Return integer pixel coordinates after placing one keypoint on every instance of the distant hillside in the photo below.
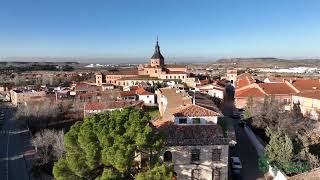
(269, 62)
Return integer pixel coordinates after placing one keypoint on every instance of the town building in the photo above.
(196, 147)
(169, 99)
(282, 92)
(154, 72)
(309, 102)
(136, 93)
(22, 97)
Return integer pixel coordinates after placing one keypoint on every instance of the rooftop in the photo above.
(192, 135)
(315, 94)
(306, 84)
(127, 93)
(193, 110)
(250, 92)
(141, 77)
(124, 72)
(276, 88)
(142, 91)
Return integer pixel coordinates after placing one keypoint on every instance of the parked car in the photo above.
(236, 163)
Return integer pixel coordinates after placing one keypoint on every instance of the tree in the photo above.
(159, 172)
(248, 108)
(263, 164)
(280, 153)
(49, 145)
(104, 146)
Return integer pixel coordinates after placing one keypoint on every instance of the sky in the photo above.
(186, 28)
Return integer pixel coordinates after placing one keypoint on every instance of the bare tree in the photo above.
(38, 114)
(49, 145)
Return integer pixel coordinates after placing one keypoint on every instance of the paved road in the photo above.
(15, 149)
(247, 153)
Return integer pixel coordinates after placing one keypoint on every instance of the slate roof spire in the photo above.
(157, 54)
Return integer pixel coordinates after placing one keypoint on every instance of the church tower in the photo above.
(157, 60)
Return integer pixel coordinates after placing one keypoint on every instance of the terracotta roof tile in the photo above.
(276, 88)
(142, 91)
(315, 94)
(307, 84)
(250, 92)
(193, 110)
(127, 93)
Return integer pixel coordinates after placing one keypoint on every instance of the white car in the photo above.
(236, 163)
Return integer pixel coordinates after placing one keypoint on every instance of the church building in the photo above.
(154, 72)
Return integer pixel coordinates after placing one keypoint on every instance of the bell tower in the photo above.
(157, 60)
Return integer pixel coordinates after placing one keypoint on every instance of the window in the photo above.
(216, 154)
(195, 174)
(195, 155)
(155, 71)
(182, 120)
(216, 173)
(196, 120)
(167, 156)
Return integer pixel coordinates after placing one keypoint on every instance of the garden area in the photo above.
(292, 142)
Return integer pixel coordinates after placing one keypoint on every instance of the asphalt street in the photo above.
(15, 148)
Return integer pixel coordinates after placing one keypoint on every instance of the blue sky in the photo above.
(186, 28)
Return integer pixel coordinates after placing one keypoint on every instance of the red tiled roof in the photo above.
(307, 84)
(315, 94)
(193, 110)
(127, 93)
(142, 91)
(242, 82)
(276, 88)
(111, 105)
(250, 92)
(133, 88)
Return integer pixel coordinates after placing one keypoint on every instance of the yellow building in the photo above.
(309, 102)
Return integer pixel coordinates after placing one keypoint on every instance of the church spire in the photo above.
(157, 54)
(157, 48)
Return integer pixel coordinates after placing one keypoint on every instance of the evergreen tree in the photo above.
(103, 146)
